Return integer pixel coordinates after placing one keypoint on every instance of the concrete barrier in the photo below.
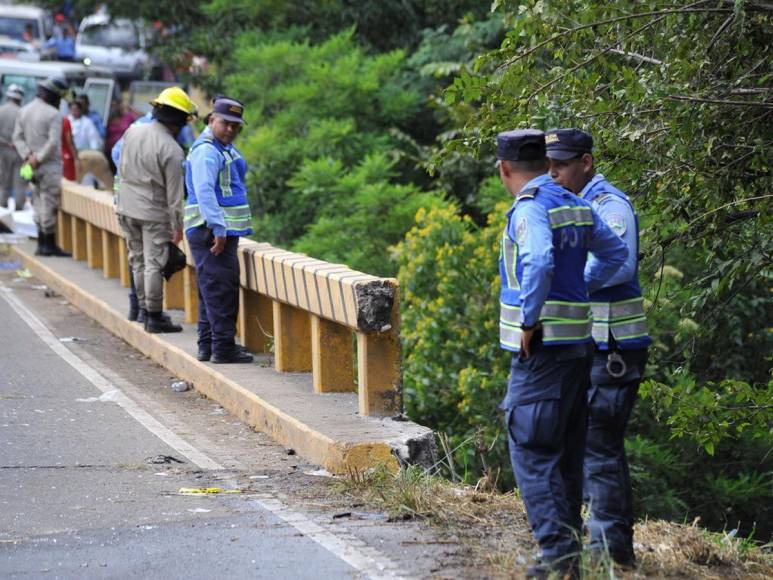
(310, 312)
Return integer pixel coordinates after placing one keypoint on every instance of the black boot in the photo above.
(158, 322)
(53, 249)
(134, 307)
(41, 249)
(142, 317)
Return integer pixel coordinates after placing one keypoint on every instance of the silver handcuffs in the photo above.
(616, 366)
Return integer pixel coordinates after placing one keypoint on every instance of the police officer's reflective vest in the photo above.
(230, 190)
(618, 310)
(565, 316)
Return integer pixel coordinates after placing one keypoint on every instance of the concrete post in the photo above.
(123, 262)
(64, 231)
(191, 295)
(256, 320)
(332, 356)
(111, 255)
(93, 246)
(174, 292)
(292, 339)
(78, 229)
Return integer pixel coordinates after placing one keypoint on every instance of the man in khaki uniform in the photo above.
(10, 162)
(149, 202)
(37, 137)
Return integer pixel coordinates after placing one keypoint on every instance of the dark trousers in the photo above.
(218, 281)
(607, 478)
(546, 413)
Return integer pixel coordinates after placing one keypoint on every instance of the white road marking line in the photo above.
(351, 550)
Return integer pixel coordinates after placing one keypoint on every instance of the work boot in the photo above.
(134, 307)
(205, 353)
(563, 568)
(41, 249)
(237, 356)
(50, 247)
(158, 322)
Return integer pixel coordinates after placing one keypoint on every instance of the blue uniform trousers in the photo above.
(607, 479)
(218, 282)
(546, 414)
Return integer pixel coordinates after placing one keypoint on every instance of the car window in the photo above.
(28, 83)
(112, 34)
(14, 27)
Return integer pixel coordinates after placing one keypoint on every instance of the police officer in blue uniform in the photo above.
(620, 333)
(217, 214)
(545, 322)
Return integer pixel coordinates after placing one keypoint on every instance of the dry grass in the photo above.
(494, 528)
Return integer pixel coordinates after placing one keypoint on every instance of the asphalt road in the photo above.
(81, 494)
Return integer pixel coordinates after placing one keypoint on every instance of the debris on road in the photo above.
(290, 451)
(72, 339)
(162, 459)
(108, 397)
(205, 490)
(181, 386)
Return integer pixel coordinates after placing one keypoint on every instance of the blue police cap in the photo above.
(563, 144)
(229, 109)
(521, 145)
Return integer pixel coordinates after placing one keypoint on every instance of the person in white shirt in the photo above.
(89, 144)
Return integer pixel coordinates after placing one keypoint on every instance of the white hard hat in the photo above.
(14, 91)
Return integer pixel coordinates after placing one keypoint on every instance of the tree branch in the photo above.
(686, 10)
(636, 56)
(763, 104)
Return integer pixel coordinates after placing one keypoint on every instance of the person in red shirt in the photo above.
(70, 160)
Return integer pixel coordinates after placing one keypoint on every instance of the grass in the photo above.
(494, 528)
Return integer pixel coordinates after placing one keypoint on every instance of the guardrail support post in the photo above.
(123, 263)
(292, 338)
(111, 255)
(64, 231)
(78, 228)
(174, 292)
(93, 246)
(256, 316)
(332, 356)
(191, 295)
(378, 370)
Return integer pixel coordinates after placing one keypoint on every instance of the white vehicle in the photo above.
(117, 44)
(26, 23)
(29, 74)
(16, 49)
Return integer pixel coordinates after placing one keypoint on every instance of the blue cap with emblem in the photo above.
(521, 145)
(563, 144)
(229, 109)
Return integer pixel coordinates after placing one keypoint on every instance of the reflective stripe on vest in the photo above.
(225, 175)
(509, 254)
(237, 217)
(625, 320)
(560, 321)
(565, 215)
(552, 331)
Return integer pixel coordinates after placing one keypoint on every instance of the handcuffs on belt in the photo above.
(616, 366)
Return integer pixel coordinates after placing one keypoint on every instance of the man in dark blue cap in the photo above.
(620, 333)
(217, 214)
(545, 322)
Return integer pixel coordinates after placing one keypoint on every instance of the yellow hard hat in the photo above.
(176, 98)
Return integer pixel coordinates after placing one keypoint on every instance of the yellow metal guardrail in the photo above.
(311, 314)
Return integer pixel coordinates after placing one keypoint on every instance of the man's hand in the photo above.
(526, 336)
(218, 245)
(177, 237)
(33, 161)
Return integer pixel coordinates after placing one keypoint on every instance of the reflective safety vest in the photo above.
(565, 316)
(618, 310)
(230, 190)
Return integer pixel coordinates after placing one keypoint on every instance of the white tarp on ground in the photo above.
(19, 222)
